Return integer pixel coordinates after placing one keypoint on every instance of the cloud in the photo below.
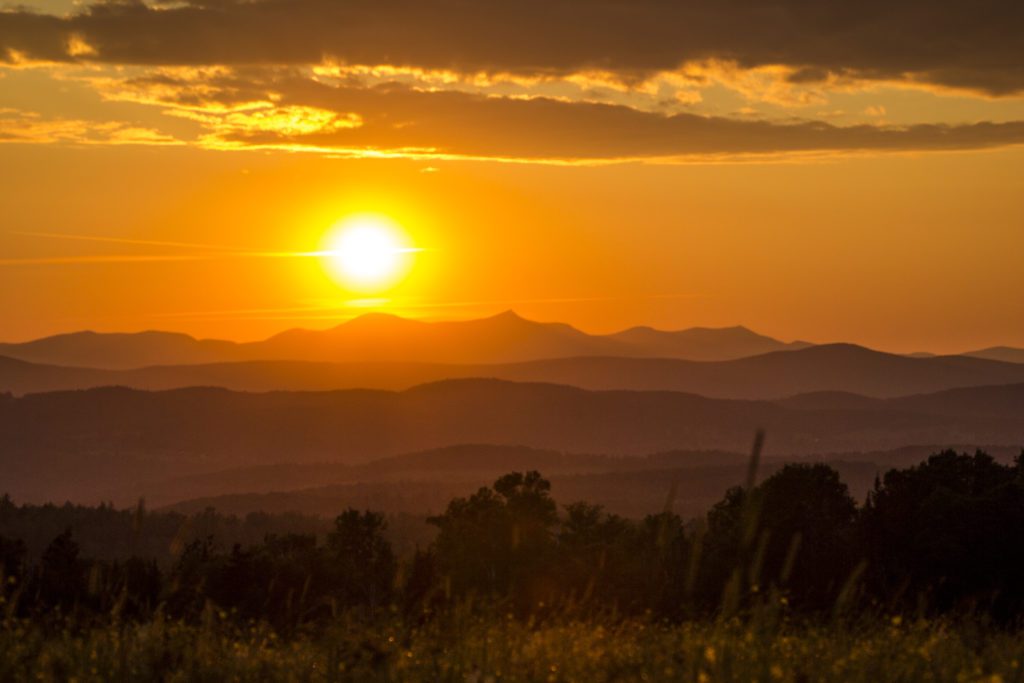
(18, 126)
(951, 43)
(305, 113)
(288, 121)
(339, 113)
(469, 125)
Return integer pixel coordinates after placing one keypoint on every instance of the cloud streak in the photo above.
(124, 240)
(400, 119)
(207, 252)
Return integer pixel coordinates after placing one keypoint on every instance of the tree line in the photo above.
(937, 537)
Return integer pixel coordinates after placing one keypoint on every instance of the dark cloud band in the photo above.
(971, 44)
(397, 117)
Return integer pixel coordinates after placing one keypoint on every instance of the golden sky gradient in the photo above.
(821, 174)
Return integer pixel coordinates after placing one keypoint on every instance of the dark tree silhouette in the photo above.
(364, 565)
(942, 534)
(62, 574)
(947, 533)
(794, 531)
(498, 540)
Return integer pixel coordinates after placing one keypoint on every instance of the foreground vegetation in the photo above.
(500, 648)
(785, 580)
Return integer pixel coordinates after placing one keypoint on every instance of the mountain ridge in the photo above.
(774, 375)
(374, 337)
(1007, 354)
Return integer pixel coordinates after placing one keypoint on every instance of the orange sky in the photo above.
(873, 201)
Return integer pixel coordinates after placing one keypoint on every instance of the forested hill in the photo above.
(70, 444)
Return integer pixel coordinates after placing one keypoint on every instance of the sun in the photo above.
(367, 253)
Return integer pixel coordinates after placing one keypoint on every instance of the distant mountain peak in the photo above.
(1007, 354)
(509, 313)
(376, 318)
(726, 328)
(507, 316)
(739, 330)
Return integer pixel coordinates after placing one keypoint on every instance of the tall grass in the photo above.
(497, 648)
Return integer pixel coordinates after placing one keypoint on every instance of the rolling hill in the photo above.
(826, 368)
(633, 493)
(690, 489)
(84, 444)
(1007, 354)
(479, 464)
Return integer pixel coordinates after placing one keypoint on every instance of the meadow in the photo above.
(762, 647)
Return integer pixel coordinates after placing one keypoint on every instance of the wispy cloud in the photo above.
(27, 127)
(124, 240)
(102, 259)
(201, 252)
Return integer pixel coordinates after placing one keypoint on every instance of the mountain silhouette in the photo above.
(83, 443)
(1007, 354)
(375, 337)
(120, 350)
(825, 368)
(703, 343)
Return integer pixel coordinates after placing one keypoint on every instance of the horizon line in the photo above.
(340, 321)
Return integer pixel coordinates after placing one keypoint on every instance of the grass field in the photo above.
(476, 649)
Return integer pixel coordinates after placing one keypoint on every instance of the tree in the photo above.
(364, 565)
(946, 533)
(62, 574)
(498, 540)
(12, 564)
(795, 530)
(187, 590)
(597, 558)
(12, 556)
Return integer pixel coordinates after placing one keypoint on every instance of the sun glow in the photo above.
(367, 253)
